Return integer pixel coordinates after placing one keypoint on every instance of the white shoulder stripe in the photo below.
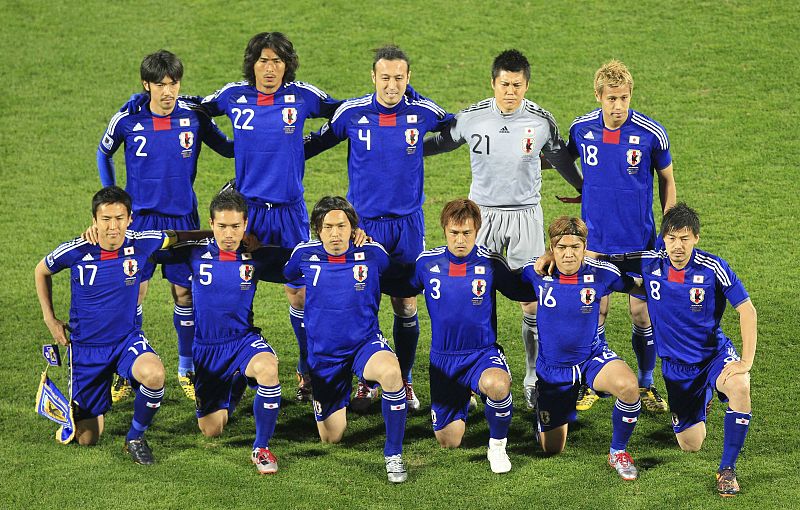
(585, 118)
(351, 103)
(481, 105)
(432, 253)
(68, 246)
(715, 266)
(430, 105)
(654, 128)
(601, 264)
(144, 234)
(312, 88)
(489, 254)
(306, 245)
(377, 245)
(112, 124)
(224, 88)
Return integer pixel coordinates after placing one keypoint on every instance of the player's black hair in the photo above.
(277, 42)
(159, 64)
(679, 217)
(460, 210)
(228, 200)
(327, 204)
(512, 61)
(390, 52)
(111, 195)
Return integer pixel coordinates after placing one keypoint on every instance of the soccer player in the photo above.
(268, 110)
(225, 275)
(386, 175)
(106, 338)
(506, 133)
(344, 338)
(571, 352)
(620, 149)
(459, 281)
(162, 144)
(687, 290)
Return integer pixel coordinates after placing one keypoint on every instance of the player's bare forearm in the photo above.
(44, 291)
(181, 236)
(748, 324)
(667, 190)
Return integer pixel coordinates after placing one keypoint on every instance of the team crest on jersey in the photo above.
(634, 157)
(187, 139)
(697, 295)
(587, 295)
(360, 272)
(527, 145)
(130, 267)
(246, 272)
(544, 417)
(108, 142)
(412, 136)
(479, 287)
(289, 115)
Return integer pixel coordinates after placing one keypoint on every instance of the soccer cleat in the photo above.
(473, 403)
(530, 397)
(395, 469)
(303, 388)
(120, 389)
(586, 398)
(411, 398)
(265, 461)
(363, 398)
(727, 485)
(623, 463)
(652, 401)
(139, 451)
(498, 458)
(187, 384)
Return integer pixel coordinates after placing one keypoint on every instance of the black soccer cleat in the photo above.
(140, 451)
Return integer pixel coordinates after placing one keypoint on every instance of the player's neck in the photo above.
(157, 110)
(683, 263)
(107, 245)
(268, 90)
(612, 123)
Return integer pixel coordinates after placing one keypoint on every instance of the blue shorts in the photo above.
(332, 381)
(177, 273)
(690, 387)
(284, 225)
(558, 386)
(454, 376)
(93, 368)
(215, 366)
(403, 237)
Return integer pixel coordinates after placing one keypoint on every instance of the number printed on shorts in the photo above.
(143, 346)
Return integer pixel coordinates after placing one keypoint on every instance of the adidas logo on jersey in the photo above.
(206, 255)
(138, 127)
(88, 256)
(435, 269)
(313, 258)
(657, 272)
(242, 100)
(588, 136)
(363, 120)
(504, 129)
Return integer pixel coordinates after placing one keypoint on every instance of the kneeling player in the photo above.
(570, 351)
(459, 281)
(105, 336)
(686, 293)
(342, 286)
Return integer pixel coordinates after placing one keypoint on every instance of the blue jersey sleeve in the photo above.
(292, 269)
(511, 283)
(214, 137)
(63, 256)
(216, 103)
(105, 167)
(149, 241)
(320, 141)
(320, 104)
(660, 153)
(270, 262)
(731, 286)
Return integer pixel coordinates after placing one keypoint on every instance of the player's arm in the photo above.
(44, 291)
(174, 237)
(105, 167)
(270, 262)
(511, 283)
(109, 143)
(320, 141)
(292, 269)
(442, 141)
(667, 191)
(748, 322)
(557, 153)
(215, 138)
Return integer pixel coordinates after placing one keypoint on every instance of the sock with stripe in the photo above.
(145, 407)
(266, 406)
(183, 320)
(393, 406)
(498, 415)
(406, 337)
(296, 317)
(645, 349)
(530, 339)
(736, 427)
(623, 420)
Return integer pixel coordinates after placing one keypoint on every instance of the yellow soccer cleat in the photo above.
(120, 389)
(187, 384)
(652, 401)
(727, 484)
(586, 398)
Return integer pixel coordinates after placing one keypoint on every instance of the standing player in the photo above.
(506, 133)
(687, 290)
(459, 281)
(386, 174)
(344, 338)
(225, 276)
(571, 351)
(106, 337)
(620, 149)
(162, 144)
(268, 111)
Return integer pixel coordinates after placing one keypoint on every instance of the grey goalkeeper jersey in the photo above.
(504, 152)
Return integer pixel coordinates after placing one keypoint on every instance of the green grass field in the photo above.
(718, 75)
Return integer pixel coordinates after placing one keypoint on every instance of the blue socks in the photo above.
(736, 426)
(406, 337)
(145, 407)
(498, 415)
(296, 318)
(623, 421)
(645, 349)
(183, 320)
(139, 316)
(266, 406)
(393, 406)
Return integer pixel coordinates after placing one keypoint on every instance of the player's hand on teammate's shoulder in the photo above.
(360, 237)
(90, 235)
(135, 103)
(57, 330)
(545, 264)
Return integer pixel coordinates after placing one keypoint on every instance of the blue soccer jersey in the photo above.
(104, 285)
(460, 295)
(686, 305)
(384, 162)
(268, 130)
(224, 285)
(161, 156)
(342, 296)
(618, 166)
(569, 308)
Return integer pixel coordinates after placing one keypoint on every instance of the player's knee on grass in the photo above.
(691, 439)
(331, 430)
(495, 383)
(737, 388)
(404, 307)
(451, 435)
(182, 296)
(296, 297)
(263, 367)
(213, 424)
(88, 432)
(148, 370)
(553, 441)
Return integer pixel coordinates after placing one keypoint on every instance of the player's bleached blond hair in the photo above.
(567, 226)
(614, 74)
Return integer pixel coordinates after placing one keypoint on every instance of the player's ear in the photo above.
(408, 76)
(598, 96)
(245, 224)
(373, 76)
(146, 86)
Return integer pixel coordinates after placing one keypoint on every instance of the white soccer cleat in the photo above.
(623, 463)
(411, 398)
(530, 397)
(395, 469)
(363, 398)
(498, 458)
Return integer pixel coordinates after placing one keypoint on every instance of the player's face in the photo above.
(680, 244)
(112, 221)
(460, 237)
(163, 95)
(509, 90)
(336, 232)
(391, 79)
(615, 102)
(228, 227)
(568, 253)
(269, 70)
